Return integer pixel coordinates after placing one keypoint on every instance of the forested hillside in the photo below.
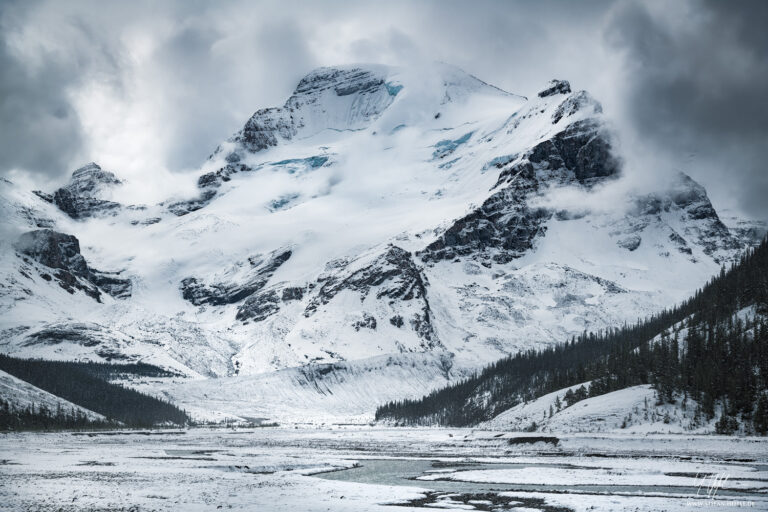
(86, 385)
(40, 417)
(712, 348)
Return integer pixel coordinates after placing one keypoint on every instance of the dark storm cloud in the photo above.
(207, 67)
(695, 84)
(214, 91)
(39, 130)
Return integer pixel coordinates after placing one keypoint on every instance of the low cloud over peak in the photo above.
(145, 88)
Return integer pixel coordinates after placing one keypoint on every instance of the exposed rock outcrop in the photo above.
(265, 303)
(393, 277)
(368, 321)
(556, 87)
(579, 101)
(505, 226)
(259, 306)
(82, 197)
(702, 224)
(502, 229)
(216, 178)
(241, 282)
(180, 208)
(583, 148)
(61, 252)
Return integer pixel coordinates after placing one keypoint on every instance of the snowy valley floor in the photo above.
(363, 469)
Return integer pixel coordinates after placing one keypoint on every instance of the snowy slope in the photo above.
(379, 212)
(632, 410)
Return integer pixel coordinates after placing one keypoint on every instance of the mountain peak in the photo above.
(90, 178)
(351, 98)
(90, 167)
(328, 98)
(344, 80)
(556, 87)
(87, 192)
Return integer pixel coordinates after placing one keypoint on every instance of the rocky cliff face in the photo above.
(392, 277)
(505, 226)
(60, 252)
(697, 223)
(82, 197)
(244, 280)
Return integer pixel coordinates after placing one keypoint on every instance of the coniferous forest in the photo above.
(712, 348)
(86, 384)
(40, 417)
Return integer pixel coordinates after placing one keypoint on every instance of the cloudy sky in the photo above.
(147, 88)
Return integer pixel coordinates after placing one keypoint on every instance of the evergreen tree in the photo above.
(761, 415)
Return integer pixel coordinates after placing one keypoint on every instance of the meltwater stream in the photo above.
(403, 472)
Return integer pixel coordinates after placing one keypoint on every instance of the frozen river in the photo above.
(362, 468)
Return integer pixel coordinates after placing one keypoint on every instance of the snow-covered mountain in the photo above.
(420, 215)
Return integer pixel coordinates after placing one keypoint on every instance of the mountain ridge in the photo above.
(382, 216)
